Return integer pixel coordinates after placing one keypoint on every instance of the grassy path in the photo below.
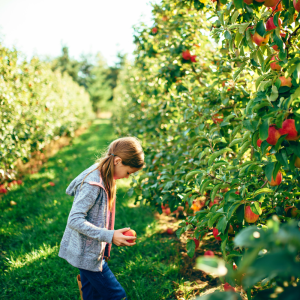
(31, 231)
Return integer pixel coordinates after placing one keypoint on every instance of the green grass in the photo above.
(31, 231)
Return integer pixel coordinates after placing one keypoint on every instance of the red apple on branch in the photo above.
(215, 234)
(209, 253)
(259, 40)
(197, 243)
(297, 5)
(270, 24)
(250, 216)
(279, 7)
(271, 3)
(130, 232)
(277, 181)
(285, 81)
(289, 128)
(186, 55)
(228, 288)
(273, 64)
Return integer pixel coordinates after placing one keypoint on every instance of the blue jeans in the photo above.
(101, 285)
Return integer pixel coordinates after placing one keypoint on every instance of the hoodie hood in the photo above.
(93, 176)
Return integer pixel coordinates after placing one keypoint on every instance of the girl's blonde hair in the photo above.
(129, 149)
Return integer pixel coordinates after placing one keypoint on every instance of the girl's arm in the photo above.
(82, 204)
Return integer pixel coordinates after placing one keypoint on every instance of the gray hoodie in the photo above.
(85, 237)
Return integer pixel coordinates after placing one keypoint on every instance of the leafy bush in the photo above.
(37, 105)
(219, 120)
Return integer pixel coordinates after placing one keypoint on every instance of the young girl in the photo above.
(89, 233)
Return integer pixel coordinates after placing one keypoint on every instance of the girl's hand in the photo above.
(119, 239)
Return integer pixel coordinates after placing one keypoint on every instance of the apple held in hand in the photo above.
(277, 181)
(130, 232)
(250, 216)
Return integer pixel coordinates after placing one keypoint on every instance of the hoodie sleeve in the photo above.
(83, 202)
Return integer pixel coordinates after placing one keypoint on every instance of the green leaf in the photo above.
(227, 35)
(216, 154)
(214, 191)
(190, 246)
(222, 223)
(235, 141)
(249, 40)
(192, 174)
(262, 191)
(269, 170)
(260, 28)
(238, 3)
(256, 208)
(213, 219)
(235, 16)
(264, 130)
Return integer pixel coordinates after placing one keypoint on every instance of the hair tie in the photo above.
(112, 154)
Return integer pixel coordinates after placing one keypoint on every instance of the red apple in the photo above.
(271, 3)
(193, 58)
(197, 243)
(154, 30)
(277, 181)
(19, 181)
(258, 143)
(297, 5)
(3, 190)
(273, 136)
(209, 253)
(170, 231)
(289, 128)
(237, 192)
(279, 7)
(234, 266)
(293, 211)
(228, 287)
(285, 81)
(297, 162)
(250, 216)
(186, 55)
(130, 232)
(216, 201)
(274, 65)
(217, 118)
(259, 40)
(248, 1)
(215, 234)
(52, 183)
(270, 24)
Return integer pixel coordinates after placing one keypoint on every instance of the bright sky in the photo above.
(40, 27)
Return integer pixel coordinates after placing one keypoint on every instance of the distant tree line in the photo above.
(91, 72)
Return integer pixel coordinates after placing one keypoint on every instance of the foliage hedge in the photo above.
(37, 105)
(206, 110)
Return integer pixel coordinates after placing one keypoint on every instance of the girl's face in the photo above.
(122, 171)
